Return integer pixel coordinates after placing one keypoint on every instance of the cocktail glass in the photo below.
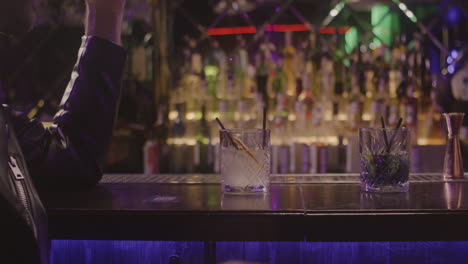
(384, 159)
(245, 161)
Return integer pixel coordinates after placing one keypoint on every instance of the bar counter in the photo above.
(327, 207)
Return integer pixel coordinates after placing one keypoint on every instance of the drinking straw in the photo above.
(227, 133)
(394, 134)
(264, 126)
(237, 142)
(384, 131)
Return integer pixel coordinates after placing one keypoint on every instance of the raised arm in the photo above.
(72, 152)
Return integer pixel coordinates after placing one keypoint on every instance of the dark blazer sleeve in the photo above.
(71, 153)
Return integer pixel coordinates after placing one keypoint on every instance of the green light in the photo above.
(211, 70)
(386, 25)
(351, 39)
(202, 140)
(382, 25)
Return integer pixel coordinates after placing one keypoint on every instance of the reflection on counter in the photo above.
(385, 200)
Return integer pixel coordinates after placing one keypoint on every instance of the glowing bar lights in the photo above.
(275, 28)
(406, 10)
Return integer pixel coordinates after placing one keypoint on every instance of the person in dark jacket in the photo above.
(71, 152)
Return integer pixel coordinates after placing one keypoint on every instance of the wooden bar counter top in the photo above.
(316, 207)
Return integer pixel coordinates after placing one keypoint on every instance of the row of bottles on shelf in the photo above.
(305, 133)
(315, 102)
(293, 70)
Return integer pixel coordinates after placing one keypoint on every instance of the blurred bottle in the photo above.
(149, 52)
(300, 67)
(289, 66)
(178, 132)
(409, 110)
(203, 152)
(155, 150)
(241, 116)
(212, 69)
(151, 155)
(261, 78)
(379, 103)
(306, 98)
(312, 67)
(355, 104)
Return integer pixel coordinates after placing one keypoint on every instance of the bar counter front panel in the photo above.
(311, 208)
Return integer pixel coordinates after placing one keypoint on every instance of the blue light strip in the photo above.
(133, 252)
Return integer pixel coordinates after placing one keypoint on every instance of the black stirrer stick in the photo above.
(384, 131)
(264, 126)
(227, 133)
(394, 134)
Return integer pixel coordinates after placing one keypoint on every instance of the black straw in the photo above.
(227, 133)
(264, 126)
(394, 134)
(384, 131)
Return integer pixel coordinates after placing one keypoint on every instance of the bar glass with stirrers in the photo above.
(384, 159)
(245, 161)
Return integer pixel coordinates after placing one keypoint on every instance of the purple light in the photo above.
(451, 69)
(246, 15)
(278, 9)
(449, 59)
(453, 15)
(131, 251)
(230, 59)
(454, 54)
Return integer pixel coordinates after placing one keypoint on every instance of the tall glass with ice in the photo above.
(245, 161)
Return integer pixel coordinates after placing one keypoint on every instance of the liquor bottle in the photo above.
(313, 58)
(279, 81)
(327, 97)
(261, 78)
(178, 128)
(305, 97)
(409, 110)
(300, 67)
(326, 73)
(260, 106)
(155, 148)
(178, 132)
(151, 155)
(250, 84)
(282, 139)
(379, 104)
(149, 51)
(211, 69)
(138, 62)
(289, 65)
(203, 153)
(268, 52)
(433, 123)
(355, 103)
(416, 63)
(242, 116)
(394, 73)
(216, 64)
(192, 75)
(196, 59)
(241, 63)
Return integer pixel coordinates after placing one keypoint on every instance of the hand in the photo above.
(104, 19)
